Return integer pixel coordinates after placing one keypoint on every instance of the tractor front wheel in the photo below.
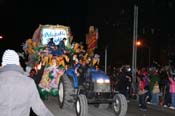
(81, 105)
(120, 105)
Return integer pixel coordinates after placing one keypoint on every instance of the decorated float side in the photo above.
(41, 48)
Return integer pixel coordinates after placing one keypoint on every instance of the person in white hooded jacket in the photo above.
(18, 93)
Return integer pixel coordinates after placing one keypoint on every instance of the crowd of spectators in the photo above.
(154, 85)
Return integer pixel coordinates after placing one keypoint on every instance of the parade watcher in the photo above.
(166, 94)
(172, 91)
(142, 92)
(18, 92)
(32, 73)
(164, 87)
(36, 74)
(123, 81)
(145, 75)
(154, 87)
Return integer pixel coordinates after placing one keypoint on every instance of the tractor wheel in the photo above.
(61, 93)
(120, 105)
(65, 91)
(81, 105)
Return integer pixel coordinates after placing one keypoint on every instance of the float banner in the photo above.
(57, 32)
(91, 40)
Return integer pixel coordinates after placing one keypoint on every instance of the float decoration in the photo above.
(91, 40)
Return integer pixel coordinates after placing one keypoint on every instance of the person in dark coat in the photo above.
(51, 44)
(62, 45)
(36, 76)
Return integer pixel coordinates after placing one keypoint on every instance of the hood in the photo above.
(12, 67)
(99, 74)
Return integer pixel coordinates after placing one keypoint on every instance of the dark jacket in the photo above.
(37, 78)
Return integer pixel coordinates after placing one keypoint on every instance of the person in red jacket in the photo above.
(142, 92)
(172, 91)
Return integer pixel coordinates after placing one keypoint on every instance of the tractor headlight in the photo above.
(103, 81)
(100, 81)
(129, 69)
(107, 81)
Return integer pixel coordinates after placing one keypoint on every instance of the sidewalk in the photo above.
(160, 108)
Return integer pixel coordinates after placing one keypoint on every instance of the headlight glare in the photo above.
(107, 81)
(100, 81)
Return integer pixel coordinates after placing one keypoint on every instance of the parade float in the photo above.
(36, 49)
(74, 76)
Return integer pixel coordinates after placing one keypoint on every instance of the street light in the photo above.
(138, 43)
(1, 37)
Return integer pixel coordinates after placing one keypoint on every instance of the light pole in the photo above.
(106, 56)
(134, 50)
(149, 56)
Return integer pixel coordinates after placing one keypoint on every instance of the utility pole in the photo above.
(106, 55)
(134, 52)
(149, 55)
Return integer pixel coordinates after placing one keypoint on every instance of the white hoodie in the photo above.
(18, 94)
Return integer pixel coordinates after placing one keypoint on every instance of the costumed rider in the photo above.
(51, 44)
(54, 51)
(81, 67)
(75, 67)
(59, 51)
(62, 45)
(82, 71)
(96, 60)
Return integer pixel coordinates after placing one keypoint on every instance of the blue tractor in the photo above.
(89, 86)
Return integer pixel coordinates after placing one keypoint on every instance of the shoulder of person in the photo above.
(27, 79)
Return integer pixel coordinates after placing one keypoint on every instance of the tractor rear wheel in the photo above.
(65, 91)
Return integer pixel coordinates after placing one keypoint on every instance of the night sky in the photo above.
(114, 19)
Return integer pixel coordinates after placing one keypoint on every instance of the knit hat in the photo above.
(10, 57)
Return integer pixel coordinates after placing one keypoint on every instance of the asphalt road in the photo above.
(133, 110)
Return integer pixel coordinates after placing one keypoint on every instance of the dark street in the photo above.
(133, 110)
